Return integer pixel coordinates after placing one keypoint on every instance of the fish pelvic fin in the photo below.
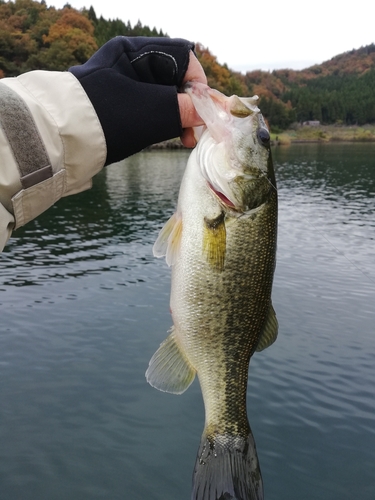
(168, 242)
(227, 468)
(169, 369)
(269, 330)
(215, 241)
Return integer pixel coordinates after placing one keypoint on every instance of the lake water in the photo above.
(84, 305)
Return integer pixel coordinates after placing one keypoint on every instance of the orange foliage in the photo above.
(34, 36)
(262, 91)
(70, 38)
(266, 83)
(357, 61)
(69, 22)
(16, 22)
(5, 11)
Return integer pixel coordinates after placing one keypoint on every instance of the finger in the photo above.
(195, 71)
(188, 138)
(188, 113)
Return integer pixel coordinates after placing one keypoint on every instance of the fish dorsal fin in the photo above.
(269, 331)
(169, 369)
(168, 242)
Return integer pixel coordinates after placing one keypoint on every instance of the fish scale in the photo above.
(237, 293)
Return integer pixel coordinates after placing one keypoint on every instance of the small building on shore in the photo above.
(312, 123)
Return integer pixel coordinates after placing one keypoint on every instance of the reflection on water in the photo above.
(84, 305)
(84, 234)
(330, 197)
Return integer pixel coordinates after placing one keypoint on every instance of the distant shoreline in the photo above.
(324, 133)
(301, 134)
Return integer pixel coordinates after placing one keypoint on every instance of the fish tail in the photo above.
(227, 468)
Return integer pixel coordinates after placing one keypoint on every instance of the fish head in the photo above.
(233, 150)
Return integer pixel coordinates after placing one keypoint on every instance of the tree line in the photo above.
(35, 36)
(348, 99)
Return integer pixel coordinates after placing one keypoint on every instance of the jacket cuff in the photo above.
(73, 139)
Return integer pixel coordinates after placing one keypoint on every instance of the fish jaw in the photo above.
(231, 156)
(218, 111)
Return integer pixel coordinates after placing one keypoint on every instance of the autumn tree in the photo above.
(70, 41)
(16, 42)
(33, 36)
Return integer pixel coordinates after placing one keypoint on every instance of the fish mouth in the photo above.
(226, 201)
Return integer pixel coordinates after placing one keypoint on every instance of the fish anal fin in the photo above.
(168, 242)
(169, 369)
(214, 241)
(269, 330)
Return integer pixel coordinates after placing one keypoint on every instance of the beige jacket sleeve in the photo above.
(51, 145)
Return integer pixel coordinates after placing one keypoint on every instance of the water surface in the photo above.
(84, 305)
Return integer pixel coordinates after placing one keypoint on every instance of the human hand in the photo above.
(188, 113)
(132, 84)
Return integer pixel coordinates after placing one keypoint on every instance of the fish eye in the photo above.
(263, 136)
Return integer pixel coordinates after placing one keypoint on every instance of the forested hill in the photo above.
(34, 36)
(340, 91)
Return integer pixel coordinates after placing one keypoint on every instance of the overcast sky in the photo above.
(252, 35)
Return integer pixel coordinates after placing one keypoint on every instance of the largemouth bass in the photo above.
(221, 244)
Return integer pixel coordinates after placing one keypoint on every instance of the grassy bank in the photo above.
(325, 133)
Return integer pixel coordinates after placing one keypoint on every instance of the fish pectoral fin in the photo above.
(269, 331)
(168, 242)
(169, 369)
(215, 241)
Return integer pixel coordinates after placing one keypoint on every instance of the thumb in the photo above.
(188, 113)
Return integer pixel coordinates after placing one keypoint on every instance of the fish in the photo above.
(221, 246)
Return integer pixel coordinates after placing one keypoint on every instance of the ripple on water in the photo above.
(84, 305)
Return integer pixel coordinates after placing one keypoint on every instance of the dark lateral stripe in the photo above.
(23, 136)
